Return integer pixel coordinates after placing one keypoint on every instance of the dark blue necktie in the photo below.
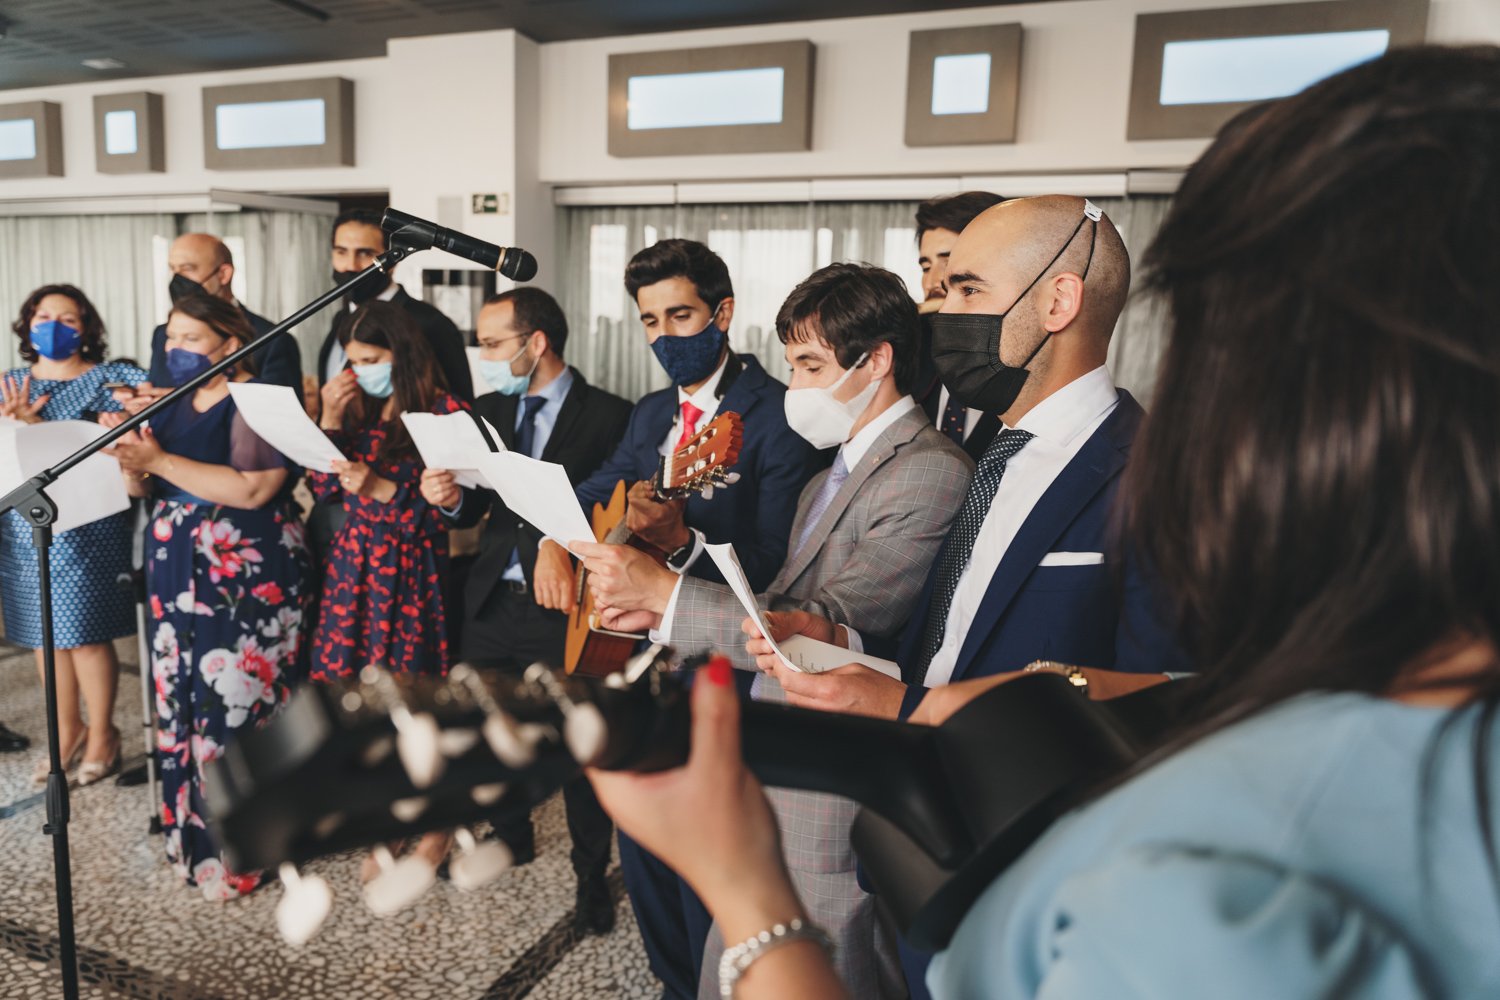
(959, 544)
(955, 419)
(525, 439)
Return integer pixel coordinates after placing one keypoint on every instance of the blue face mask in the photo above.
(374, 379)
(184, 366)
(56, 340)
(690, 359)
(500, 377)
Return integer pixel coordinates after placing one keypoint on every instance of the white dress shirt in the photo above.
(707, 400)
(852, 451)
(336, 355)
(1062, 423)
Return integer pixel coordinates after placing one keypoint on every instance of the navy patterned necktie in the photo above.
(525, 441)
(955, 420)
(960, 542)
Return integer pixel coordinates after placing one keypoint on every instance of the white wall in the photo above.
(1075, 83)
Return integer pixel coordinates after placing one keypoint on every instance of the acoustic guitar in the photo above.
(698, 466)
(945, 809)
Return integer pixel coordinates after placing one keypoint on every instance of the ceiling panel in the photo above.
(46, 41)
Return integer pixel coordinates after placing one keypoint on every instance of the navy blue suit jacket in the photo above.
(755, 514)
(280, 361)
(1106, 615)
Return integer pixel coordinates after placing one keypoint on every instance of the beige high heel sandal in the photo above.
(92, 771)
(70, 760)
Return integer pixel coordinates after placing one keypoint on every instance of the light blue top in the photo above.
(1293, 855)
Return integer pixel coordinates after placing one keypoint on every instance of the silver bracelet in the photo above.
(739, 958)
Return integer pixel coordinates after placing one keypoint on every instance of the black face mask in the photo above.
(180, 288)
(365, 290)
(966, 346)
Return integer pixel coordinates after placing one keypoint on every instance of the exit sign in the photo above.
(491, 204)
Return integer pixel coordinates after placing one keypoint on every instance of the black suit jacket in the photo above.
(280, 361)
(589, 425)
(928, 392)
(447, 343)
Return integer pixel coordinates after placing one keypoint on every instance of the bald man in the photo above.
(202, 264)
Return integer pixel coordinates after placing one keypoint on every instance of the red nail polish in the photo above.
(719, 671)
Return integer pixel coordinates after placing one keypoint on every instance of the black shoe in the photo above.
(12, 741)
(594, 911)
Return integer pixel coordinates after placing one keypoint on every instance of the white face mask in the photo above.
(823, 420)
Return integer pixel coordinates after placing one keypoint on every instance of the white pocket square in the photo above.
(1072, 559)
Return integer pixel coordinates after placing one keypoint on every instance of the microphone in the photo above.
(408, 230)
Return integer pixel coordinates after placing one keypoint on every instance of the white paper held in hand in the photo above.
(275, 413)
(800, 653)
(89, 491)
(540, 492)
(449, 441)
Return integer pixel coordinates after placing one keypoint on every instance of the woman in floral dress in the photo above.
(63, 342)
(225, 564)
(382, 595)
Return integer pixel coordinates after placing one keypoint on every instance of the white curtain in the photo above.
(110, 258)
(769, 249)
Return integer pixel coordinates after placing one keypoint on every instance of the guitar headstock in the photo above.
(703, 461)
(385, 758)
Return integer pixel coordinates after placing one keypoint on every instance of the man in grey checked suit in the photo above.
(865, 532)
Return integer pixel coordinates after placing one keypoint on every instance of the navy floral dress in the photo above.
(88, 604)
(382, 597)
(226, 603)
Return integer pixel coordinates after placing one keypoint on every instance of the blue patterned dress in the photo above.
(225, 590)
(88, 606)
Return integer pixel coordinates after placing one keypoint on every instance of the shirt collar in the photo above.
(706, 398)
(1069, 411)
(388, 293)
(556, 391)
(855, 448)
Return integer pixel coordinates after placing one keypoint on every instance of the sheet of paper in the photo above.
(539, 492)
(449, 441)
(275, 413)
(494, 435)
(799, 653)
(91, 490)
(814, 656)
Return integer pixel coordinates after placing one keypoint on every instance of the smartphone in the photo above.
(112, 386)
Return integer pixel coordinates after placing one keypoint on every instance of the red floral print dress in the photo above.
(382, 597)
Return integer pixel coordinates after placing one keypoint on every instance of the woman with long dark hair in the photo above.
(225, 564)
(63, 342)
(1318, 487)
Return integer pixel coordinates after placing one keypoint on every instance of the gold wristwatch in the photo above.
(1075, 675)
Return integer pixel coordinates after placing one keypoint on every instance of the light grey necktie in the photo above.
(819, 506)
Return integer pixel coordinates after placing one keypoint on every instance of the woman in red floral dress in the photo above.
(382, 596)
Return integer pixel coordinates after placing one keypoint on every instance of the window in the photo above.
(689, 100)
(120, 133)
(1217, 70)
(18, 139)
(961, 84)
(271, 124)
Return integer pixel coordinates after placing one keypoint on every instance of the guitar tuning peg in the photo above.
(513, 743)
(457, 742)
(708, 492)
(304, 905)
(408, 810)
(478, 864)
(488, 795)
(417, 733)
(399, 884)
(584, 729)
(731, 479)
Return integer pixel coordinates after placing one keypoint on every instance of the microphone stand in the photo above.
(31, 502)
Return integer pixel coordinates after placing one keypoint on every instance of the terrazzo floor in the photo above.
(143, 934)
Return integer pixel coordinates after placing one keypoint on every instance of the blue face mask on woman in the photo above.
(55, 339)
(690, 359)
(374, 379)
(183, 366)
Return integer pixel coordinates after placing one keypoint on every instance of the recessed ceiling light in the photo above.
(105, 63)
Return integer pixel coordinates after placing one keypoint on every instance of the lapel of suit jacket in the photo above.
(908, 426)
(1100, 460)
(502, 416)
(567, 416)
